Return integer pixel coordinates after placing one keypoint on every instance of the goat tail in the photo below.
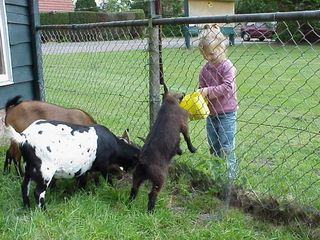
(13, 134)
(13, 102)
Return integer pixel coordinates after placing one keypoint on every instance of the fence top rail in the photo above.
(140, 22)
(275, 16)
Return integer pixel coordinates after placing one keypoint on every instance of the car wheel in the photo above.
(246, 37)
(261, 39)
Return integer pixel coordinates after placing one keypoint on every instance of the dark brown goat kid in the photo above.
(162, 143)
(20, 114)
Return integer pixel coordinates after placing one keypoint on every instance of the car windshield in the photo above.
(262, 24)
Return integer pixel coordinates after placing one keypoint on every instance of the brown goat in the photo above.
(162, 143)
(20, 114)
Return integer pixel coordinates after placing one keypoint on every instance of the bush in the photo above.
(78, 17)
(82, 17)
(139, 13)
(53, 18)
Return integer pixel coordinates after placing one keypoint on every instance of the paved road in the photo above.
(121, 45)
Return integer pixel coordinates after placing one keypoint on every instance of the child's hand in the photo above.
(203, 91)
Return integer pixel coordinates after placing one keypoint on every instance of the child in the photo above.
(217, 84)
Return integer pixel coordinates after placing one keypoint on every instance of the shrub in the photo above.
(82, 17)
(52, 18)
(79, 17)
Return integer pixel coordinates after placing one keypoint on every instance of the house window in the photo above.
(5, 60)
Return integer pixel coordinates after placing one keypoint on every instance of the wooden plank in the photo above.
(21, 55)
(17, 18)
(22, 74)
(17, 10)
(19, 33)
(17, 2)
(24, 89)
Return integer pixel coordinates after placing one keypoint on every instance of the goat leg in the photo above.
(25, 191)
(109, 179)
(186, 136)
(136, 182)
(139, 176)
(7, 162)
(96, 179)
(20, 169)
(39, 195)
(82, 181)
(14, 155)
(157, 183)
(153, 197)
(17, 167)
(179, 151)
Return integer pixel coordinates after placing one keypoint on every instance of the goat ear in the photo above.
(125, 135)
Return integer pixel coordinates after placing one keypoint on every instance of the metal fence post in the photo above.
(186, 28)
(36, 50)
(154, 66)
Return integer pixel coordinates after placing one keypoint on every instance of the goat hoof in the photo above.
(193, 150)
(26, 206)
(150, 210)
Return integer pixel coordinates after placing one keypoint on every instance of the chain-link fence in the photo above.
(107, 69)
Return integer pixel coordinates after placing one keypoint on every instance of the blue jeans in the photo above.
(221, 130)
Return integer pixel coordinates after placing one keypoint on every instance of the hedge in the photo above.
(53, 18)
(78, 17)
(81, 17)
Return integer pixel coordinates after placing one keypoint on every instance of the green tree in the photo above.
(116, 6)
(298, 5)
(256, 6)
(141, 4)
(301, 30)
(86, 5)
(260, 6)
(172, 8)
(169, 8)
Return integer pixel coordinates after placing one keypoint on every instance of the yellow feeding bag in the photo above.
(196, 105)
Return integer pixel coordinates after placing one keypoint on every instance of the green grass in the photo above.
(277, 146)
(278, 136)
(103, 213)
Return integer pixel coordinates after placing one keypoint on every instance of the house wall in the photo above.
(56, 6)
(22, 49)
(209, 8)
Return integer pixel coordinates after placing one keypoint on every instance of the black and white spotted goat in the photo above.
(63, 150)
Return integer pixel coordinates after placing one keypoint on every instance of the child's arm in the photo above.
(212, 92)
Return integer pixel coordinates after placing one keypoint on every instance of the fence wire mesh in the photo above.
(105, 71)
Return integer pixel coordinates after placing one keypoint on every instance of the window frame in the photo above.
(5, 78)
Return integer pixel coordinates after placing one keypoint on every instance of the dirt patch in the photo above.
(264, 208)
(271, 209)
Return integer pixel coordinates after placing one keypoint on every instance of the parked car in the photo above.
(258, 30)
